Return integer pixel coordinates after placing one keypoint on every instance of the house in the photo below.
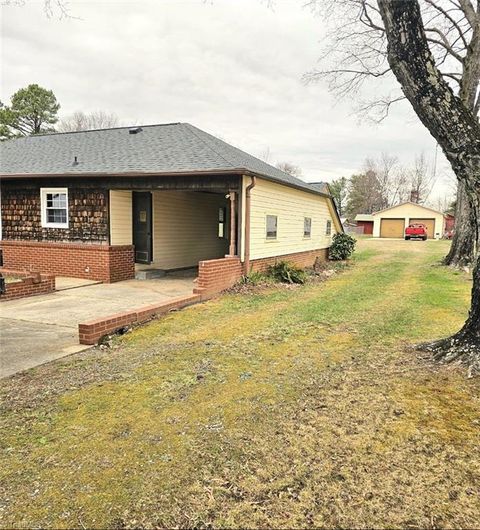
(102, 204)
(365, 221)
(391, 222)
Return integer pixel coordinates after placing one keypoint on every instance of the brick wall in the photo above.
(87, 215)
(301, 259)
(97, 262)
(215, 275)
(91, 332)
(28, 285)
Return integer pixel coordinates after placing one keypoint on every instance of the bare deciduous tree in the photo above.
(356, 53)
(290, 168)
(52, 8)
(452, 122)
(421, 181)
(443, 204)
(79, 121)
(391, 177)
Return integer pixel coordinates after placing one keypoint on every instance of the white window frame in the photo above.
(309, 234)
(328, 228)
(267, 237)
(43, 206)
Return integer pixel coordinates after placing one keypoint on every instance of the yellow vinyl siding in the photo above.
(120, 217)
(291, 206)
(185, 228)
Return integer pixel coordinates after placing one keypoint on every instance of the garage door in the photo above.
(392, 227)
(429, 223)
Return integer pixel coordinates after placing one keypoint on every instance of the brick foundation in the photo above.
(301, 259)
(96, 262)
(215, 275)
(91, 332)
(29, 284)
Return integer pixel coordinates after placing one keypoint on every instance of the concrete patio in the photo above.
(43, 328)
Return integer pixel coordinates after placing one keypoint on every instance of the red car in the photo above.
(416, 231)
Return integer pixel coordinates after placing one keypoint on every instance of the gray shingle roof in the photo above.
(168, 148)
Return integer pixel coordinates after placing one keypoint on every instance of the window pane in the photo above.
(271, 226)
(56, 216)
(221, 230)
(59, 200)
(56, 200)
(329, 228)
(307, 226)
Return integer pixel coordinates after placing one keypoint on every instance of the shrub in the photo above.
(285, 272)
(342, 247)
(256, 278)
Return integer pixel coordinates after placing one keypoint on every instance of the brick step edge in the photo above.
(91, 332)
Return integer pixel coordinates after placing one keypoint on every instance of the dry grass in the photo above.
(286, 408)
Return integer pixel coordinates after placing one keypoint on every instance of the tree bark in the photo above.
(462, 250)
(456, 130)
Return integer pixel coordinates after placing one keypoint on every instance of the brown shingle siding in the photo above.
(87, 212)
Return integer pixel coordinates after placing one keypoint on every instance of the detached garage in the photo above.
(391, 222)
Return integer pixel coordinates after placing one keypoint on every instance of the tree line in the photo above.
(384, 182)
(34, 110)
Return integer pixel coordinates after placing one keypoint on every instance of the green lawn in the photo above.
(283, 408)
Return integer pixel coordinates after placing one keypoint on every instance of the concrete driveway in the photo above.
(43, 328)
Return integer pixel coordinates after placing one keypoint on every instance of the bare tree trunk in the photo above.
(462, 251)
(456, 130)
(465, 345)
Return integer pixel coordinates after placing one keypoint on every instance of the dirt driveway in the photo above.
(43, 328)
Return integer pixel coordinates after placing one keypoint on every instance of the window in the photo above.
(54, 204)
(222, 221)
(307, 226)
(271, 227)
(328, 231)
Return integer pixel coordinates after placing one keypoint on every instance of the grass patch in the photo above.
(283, 408)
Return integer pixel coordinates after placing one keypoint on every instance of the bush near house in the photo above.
(342, 247)
(285, 272)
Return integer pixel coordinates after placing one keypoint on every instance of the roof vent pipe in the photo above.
(75, 161)
(134, 130)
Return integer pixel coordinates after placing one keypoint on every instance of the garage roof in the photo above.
(408, 202)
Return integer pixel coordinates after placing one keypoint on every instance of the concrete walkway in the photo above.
(43, 328)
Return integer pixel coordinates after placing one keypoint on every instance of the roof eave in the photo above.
(93, 174)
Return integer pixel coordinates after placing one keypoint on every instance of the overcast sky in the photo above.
(230, 67)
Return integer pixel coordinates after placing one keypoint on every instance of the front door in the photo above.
(142, 226)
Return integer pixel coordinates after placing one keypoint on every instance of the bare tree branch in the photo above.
(444, 43)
